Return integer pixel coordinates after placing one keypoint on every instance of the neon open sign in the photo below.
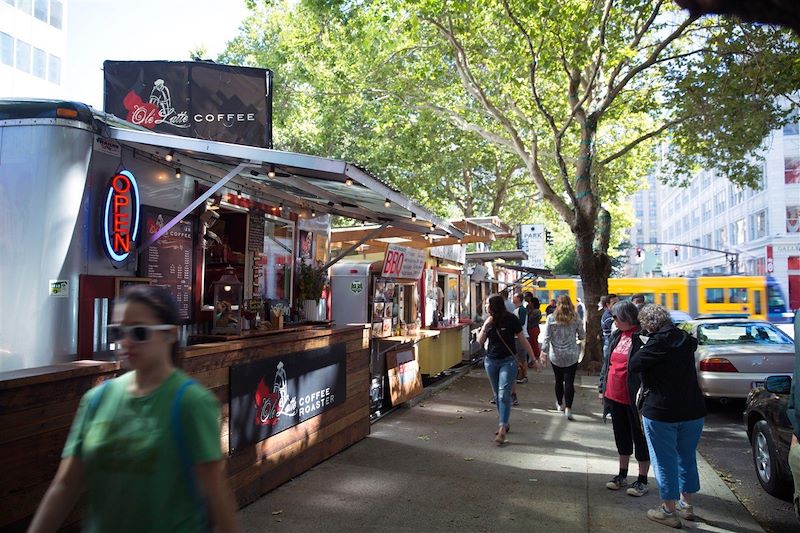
(121, 216)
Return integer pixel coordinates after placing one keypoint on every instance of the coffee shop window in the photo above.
(277, 261)
(225, 245)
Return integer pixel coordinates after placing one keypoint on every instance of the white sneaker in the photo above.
(685, 510)
(568, 413)
(558, 407)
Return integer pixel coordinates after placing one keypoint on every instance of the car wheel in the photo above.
(768, 467)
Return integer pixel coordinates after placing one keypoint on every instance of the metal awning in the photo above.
(531, 271)
(493, 255)
(295, 180)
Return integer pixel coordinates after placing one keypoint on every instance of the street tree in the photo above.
(581, 92)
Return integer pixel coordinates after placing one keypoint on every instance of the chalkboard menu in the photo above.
(169, 262)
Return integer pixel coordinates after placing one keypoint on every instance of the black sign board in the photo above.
(193, 98)
(272, 395)
(169, 262)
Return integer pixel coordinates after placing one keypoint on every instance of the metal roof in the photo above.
(492, 255)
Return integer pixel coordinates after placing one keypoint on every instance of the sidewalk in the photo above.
(435, 467)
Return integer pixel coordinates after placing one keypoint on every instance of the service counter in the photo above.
(37, 407)
(446, 350)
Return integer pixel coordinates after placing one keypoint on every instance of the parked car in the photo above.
(735, 355)
(679, 317)
(770, 434)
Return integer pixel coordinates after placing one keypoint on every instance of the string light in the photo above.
(313, 213)
(387, 203)
(271, 172)
(170, 155)
(178, 173)
(348, 181)
(413, 217)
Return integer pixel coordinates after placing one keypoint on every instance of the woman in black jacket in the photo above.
(618, 388)
(673, 412)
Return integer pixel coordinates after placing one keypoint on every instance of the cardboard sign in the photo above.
(402, 262)
(405, 380)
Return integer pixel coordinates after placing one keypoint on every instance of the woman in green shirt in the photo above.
(146, 445)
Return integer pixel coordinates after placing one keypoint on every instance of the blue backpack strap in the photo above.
(184, 454)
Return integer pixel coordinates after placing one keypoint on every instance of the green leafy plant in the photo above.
(310, 281)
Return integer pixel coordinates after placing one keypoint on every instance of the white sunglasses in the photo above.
(140, 333)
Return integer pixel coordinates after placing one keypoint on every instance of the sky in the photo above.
(140, 30)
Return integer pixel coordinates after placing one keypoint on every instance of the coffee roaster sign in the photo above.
(272, 395)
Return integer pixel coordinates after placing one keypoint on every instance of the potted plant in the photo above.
(311, 281)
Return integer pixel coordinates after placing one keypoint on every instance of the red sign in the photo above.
(770, 260)
(121, 216)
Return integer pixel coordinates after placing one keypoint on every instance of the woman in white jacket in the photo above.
(564, 329)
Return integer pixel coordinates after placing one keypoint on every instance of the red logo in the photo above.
(267, 405)
(139, 112)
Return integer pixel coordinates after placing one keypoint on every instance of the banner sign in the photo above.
(193, 99)
(770, 260)
(402, 262)
(457, 253)
(530, 239)
(272, 395)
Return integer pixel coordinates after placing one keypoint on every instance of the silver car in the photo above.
(735, 355)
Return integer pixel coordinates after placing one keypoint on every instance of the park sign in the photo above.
(193, 99)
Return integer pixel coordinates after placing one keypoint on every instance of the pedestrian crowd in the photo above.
(648, 384)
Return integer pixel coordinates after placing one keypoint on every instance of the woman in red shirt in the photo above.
(618, 388)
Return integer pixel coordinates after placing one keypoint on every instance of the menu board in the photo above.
(169, 262)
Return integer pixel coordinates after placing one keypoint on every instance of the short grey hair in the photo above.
(626, 312)
(653, 317)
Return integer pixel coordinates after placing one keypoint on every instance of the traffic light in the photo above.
(675, 251)
(638, 251)
(548, 237)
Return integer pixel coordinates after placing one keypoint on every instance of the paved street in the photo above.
(725, 446)
(434, 467)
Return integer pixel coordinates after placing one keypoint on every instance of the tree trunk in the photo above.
(594, 267)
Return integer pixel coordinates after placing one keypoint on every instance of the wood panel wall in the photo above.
(37, 407)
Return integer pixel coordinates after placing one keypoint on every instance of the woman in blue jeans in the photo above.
(672, 412)
(502, 329)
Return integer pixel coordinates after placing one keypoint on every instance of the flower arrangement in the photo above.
(310, 281)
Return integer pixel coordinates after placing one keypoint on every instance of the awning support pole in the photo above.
(364, 239)
(202, 198)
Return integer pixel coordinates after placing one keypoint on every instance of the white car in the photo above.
(735, 355)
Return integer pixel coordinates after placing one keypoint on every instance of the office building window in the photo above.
(25, 5)
(39, 63)
(9, 2)
(686, 223)
(54, 70)
(737, 195)
(791, 156)
(40, 9)
(6, 49)
(56, 13)
(719, 203)
(720, 238)
(706, 211)
(738, 235)
(23, 56)
(758, 225)
(793, 218)
(791, 129)
(707, 242)
(695, 251)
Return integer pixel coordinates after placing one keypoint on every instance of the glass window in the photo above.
(737, 232)
(6, 49)
(793, 219)
(25, 5)
(277, 262)
(719, 203)
(706, 211)
(707, 241)
(758, 225)
(675, 300)
(791, 129)
(56, 13)
(791, 159)
(737, 296)
(39, 63)
(715, 296)
(720, 238)
(40, 10)
(9, 2)
(740, 332)
(737, 195)
(757, 304)
(54, 70)
(23, 56)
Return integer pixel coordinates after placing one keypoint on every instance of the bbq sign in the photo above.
(121, 216)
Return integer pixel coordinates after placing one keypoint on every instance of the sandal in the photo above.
(508, 430)
(500, 439)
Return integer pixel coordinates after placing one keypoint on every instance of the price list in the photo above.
(169, 261)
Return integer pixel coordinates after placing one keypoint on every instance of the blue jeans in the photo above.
(502, 373)
(673, 452)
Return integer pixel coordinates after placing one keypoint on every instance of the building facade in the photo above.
(758, 227)
(33, 46)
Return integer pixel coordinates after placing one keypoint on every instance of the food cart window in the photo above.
(225, 245)
(278, 259)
